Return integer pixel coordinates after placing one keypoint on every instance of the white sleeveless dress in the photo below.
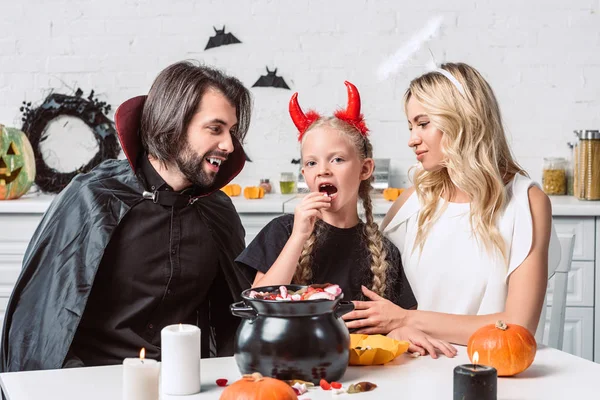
(454, 273)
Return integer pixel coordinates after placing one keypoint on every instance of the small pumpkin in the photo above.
(258, 387)
(232, 189)
(510, 348)
(391, 194)
(254, 192)
(17, 163)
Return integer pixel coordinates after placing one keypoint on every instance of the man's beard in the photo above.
(192, 167)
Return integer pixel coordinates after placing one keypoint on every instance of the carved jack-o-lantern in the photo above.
(17, 163)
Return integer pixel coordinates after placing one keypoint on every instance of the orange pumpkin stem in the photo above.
(501, 325)
(255, 377)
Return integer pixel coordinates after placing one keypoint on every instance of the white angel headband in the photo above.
(433, 67)
(452, 79)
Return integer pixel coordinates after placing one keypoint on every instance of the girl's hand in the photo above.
(307, 212)
(422, 343)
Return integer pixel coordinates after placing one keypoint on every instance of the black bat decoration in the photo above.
(221, 38)
(271, 80)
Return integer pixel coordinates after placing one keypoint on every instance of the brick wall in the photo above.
(542, 57)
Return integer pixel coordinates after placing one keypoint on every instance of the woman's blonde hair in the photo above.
(371, 233)
(478, 160)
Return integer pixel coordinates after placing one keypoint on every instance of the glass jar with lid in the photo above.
(588, 165)
(287, 183)
(554, 176)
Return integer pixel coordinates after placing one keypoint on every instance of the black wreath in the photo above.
(91, 112)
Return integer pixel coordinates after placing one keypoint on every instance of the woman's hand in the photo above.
(307, 212)
(422, 343)
(376, 316)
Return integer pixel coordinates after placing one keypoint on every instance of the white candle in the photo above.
(180, 348)
(140, 378)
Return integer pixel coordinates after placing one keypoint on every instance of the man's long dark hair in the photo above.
(175, 97)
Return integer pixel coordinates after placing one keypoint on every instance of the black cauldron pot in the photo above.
(286, 340)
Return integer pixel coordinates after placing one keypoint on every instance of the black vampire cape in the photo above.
(64, 254)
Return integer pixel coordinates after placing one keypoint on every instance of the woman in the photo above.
(474, 231)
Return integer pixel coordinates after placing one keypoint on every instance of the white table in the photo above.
(553, 375)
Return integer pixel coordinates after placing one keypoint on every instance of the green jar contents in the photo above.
(287, 183)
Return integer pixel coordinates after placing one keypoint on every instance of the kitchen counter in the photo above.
(270, 204)
(285, 203)
(38, 203)
(570, 206)
(31, 203)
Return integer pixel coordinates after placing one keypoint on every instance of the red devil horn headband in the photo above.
(301, 120)
(350, 115)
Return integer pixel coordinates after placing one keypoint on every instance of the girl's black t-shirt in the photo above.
(340, 256)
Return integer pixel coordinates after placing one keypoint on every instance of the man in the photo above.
(142, 243)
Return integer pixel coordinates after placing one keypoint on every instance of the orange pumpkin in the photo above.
(232, 189)
(509, 348)
(391, 194)
(258, 387)
(254, 192)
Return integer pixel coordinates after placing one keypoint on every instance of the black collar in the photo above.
(153, 181)
(159, 191)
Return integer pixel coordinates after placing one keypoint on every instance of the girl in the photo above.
(474, 231)
(325, 241)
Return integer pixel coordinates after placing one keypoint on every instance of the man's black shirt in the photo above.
(157, 270)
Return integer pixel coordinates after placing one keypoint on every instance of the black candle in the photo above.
(475, 382)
